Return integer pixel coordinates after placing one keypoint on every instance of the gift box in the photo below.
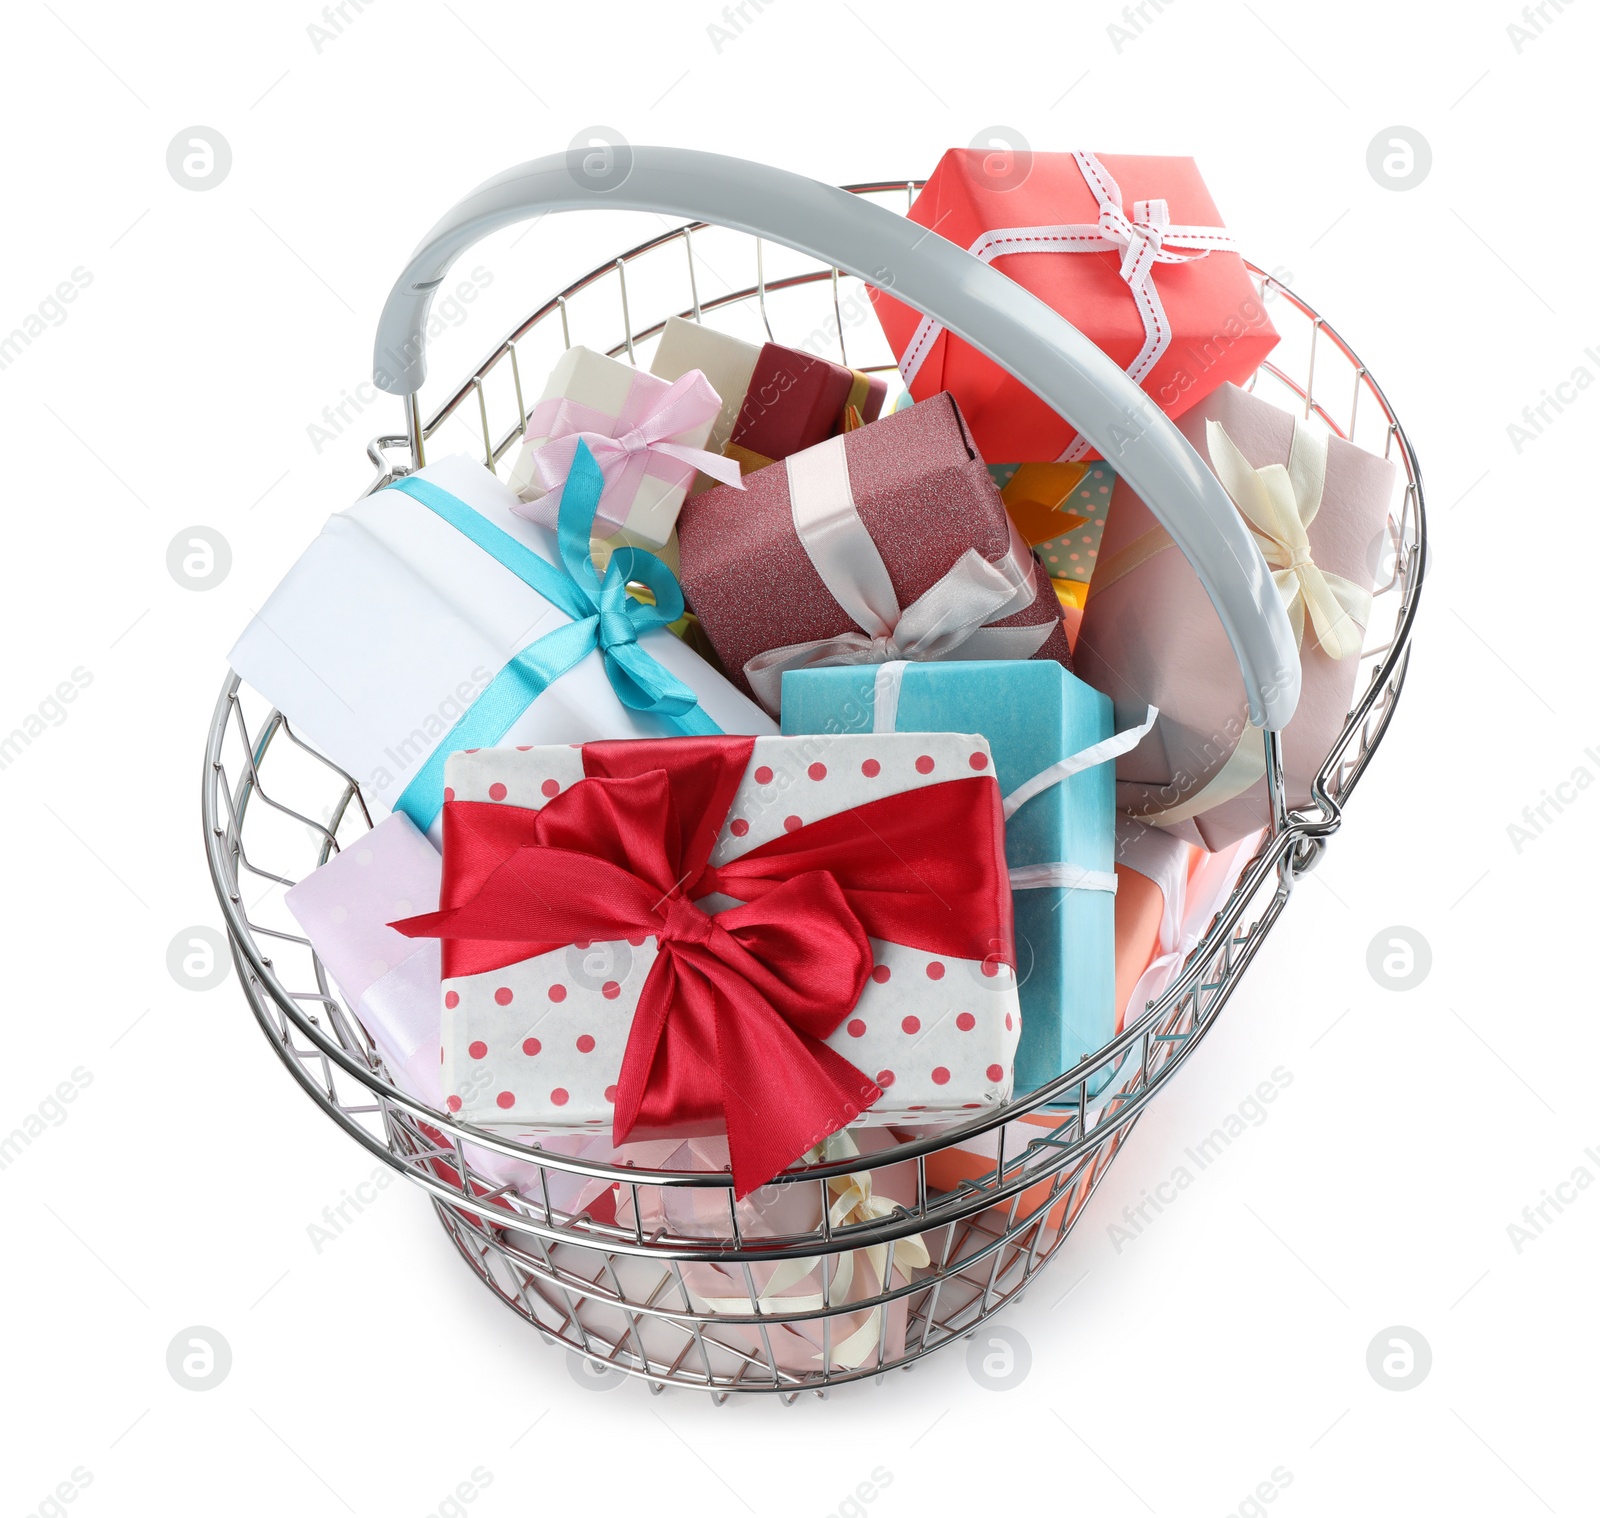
(1168, 891)
(647, 434)
(795, 400)
(429, 616)
(390, 982)
(1062, 518)
(771, 938)
(1060, 510)
(775, 400)
(888, 542)
(972, 1161)
(727, 363)
(1130, 250)
(1051, 738)
(1317, 507)
(790, 1285)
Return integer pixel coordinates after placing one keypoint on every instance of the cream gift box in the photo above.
(393, 622)
(727, 363)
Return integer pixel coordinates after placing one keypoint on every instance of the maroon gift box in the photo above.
(796, 399)
(924, 496)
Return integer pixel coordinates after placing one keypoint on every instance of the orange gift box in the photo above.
(1131, 250)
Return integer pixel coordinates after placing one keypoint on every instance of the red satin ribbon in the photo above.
(729, 1028)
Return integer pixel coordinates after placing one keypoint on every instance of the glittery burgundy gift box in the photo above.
(922, 492)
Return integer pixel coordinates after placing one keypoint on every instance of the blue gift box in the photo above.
(1034, 713)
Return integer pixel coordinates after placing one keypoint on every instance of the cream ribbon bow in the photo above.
(852, 1202)
(1280, 502)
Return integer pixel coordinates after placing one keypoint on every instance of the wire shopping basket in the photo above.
(613, 1260)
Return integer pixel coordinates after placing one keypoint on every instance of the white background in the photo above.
(1229, 1339)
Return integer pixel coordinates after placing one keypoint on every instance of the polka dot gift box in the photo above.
(770, 937)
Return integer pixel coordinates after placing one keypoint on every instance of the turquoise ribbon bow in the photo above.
(604, 616)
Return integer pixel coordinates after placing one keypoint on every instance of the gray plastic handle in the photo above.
(976, 302)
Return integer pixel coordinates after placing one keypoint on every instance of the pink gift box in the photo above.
(1150, 636)
(392, 982)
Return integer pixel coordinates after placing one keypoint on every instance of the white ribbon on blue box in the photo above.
(1050, 736)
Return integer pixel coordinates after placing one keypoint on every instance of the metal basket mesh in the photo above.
(618, 1284)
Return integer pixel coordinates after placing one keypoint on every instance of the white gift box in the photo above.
(588, 392)
(537, 1045)
(392, 622)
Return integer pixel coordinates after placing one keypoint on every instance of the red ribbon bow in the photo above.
(729, 1028)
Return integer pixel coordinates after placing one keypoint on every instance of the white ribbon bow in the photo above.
(1280, 502)
(948, 620)
(852, 1202)
(1146, 238)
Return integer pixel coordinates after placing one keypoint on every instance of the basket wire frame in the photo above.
(616, 1293)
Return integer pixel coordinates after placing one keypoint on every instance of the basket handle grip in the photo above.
(974, 301)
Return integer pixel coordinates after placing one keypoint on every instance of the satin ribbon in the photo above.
(947, 621)
(1145, 239)
(604, 616)
(628, 447)
(730, 1024)
(1245, 766)
(1026, 877)
(1278, 502)
(1060, 873)
(851, 1201)
(1113, 747)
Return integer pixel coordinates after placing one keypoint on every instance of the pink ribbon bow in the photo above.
(628, 447)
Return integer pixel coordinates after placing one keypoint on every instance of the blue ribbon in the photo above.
(604, 616)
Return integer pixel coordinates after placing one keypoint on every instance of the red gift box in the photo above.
(888, 542)
(795, 400)
(1130, 250)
